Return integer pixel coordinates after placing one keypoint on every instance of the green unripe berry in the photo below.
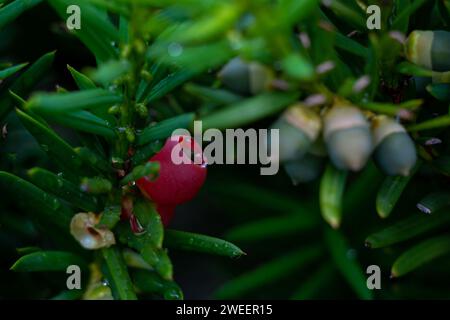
(429, 49)
(347, 137)
(245, 77)
(395, 152)
(305, 169)
(298, 127)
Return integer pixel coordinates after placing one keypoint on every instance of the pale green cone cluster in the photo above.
(347, 136)
(299, 129)
(342, 132)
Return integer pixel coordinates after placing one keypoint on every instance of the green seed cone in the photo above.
(347, 137)
(294, 143)
(298, 129)
(235, 76)
(429, 49)
(245, 77)
(395, 152)
(305, 169)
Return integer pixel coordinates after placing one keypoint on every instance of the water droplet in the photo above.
(44, 147)
(175, 49)
(88, 242)
(423, 208)
(116, 160)
(172, 294)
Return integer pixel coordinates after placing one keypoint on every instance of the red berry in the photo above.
(176, 183)
(166, 212)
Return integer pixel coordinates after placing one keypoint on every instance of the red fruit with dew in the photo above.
(176, 182)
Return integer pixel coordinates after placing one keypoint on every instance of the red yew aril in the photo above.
(176, 183)
(166, 212)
